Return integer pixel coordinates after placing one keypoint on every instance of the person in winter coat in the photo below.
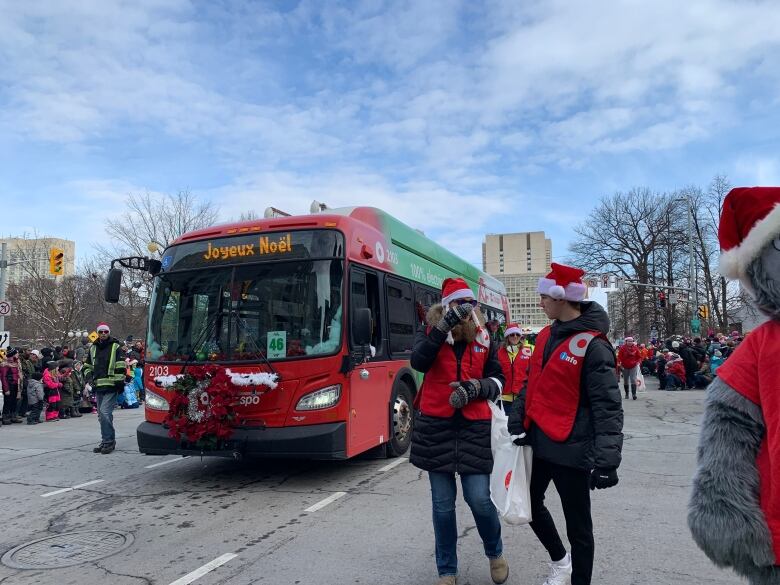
(675, 372)
(734, 508)
(660, 368)
(629, 358)
(51, 387)
(571, 413)
(689, 361)
(80, 397)
(64, 370)
(716, 361)
(513, 356)
(105, 369)
(452, 427)
(35, 398)
(11, 379)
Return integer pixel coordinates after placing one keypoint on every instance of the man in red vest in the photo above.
(452, 428)
(571, 413)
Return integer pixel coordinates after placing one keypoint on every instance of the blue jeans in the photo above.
(106, 402)
(476, 492)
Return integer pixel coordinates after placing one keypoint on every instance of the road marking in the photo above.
(321, 504)
(395, 463)
(166, 462)
(70, 489)
(207, 568)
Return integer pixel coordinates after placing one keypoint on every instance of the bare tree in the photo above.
(621, 235)
(250, 215)
(158, 219)
(46, 309)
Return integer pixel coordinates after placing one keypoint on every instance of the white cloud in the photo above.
(435, 111)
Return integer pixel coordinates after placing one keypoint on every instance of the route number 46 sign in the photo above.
(277, 344)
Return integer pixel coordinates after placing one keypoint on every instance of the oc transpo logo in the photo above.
(380, 252)
(578, 345)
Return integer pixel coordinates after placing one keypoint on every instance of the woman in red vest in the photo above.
(571, 413)
(452, 427)
(513, 356)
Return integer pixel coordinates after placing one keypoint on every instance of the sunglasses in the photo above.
(463, 302)
(513, 335)
(103, 332)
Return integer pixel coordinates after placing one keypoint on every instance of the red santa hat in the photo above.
(629, 340)
(512, 328)
(563, 283)
(103, 326)
(453, 289)
(749, 221)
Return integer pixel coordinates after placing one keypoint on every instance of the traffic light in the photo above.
(662, 299)
(704, 311)
(56, 261)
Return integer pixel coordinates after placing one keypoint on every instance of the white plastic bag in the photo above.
(510, 481)
(640, 380)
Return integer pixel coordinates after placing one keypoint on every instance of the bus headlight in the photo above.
(155, 401)
(322, 398)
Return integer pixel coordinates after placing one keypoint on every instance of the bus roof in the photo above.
(377, 239)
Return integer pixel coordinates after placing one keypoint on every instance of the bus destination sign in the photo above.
(258, 247)
(267, 245)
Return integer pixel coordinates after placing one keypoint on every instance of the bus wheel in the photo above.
(402, 421)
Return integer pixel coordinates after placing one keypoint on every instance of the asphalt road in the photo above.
(296, 522)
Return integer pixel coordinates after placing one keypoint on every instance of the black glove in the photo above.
(520, 440)
(464, 392)
(454, 316)
(603, 478)
(128, 379)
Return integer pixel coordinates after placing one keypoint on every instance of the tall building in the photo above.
(26, 254)
(524, 306)
(519, 253)
(519, 260)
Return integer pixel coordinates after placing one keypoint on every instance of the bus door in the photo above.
(369, 385)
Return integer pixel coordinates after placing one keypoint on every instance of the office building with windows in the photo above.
(519, 260)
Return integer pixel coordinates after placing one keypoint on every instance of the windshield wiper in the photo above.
(248, 331)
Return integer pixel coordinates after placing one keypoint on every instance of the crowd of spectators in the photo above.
(682, 363)
(48, 384)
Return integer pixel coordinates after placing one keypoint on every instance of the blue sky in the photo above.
(458, 117)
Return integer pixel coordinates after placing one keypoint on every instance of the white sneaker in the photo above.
(560, 572)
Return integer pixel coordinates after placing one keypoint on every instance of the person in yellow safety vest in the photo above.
(104, 368)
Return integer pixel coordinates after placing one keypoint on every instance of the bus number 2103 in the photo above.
(157, 371)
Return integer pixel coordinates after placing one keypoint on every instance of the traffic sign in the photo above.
(93, 336)
(704, 311)
(5, 308)
(5, 339)
(695, 325)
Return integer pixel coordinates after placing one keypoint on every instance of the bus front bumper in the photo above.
(325, 441)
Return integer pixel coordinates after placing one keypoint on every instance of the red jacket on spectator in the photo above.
(629, 355)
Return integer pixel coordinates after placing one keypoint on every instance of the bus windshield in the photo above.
(247, 312)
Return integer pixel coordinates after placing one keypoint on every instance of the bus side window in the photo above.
(424, 299)
(401, 316)
(364, 293)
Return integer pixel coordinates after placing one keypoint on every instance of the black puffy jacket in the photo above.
(452, 444)
(596, 438)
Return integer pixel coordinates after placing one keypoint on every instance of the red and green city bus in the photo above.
(330, 301)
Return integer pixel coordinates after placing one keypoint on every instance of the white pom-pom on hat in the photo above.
(563, 283)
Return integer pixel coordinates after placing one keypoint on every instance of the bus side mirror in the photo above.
(154, 267)
(113, 286)
(361, 326)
